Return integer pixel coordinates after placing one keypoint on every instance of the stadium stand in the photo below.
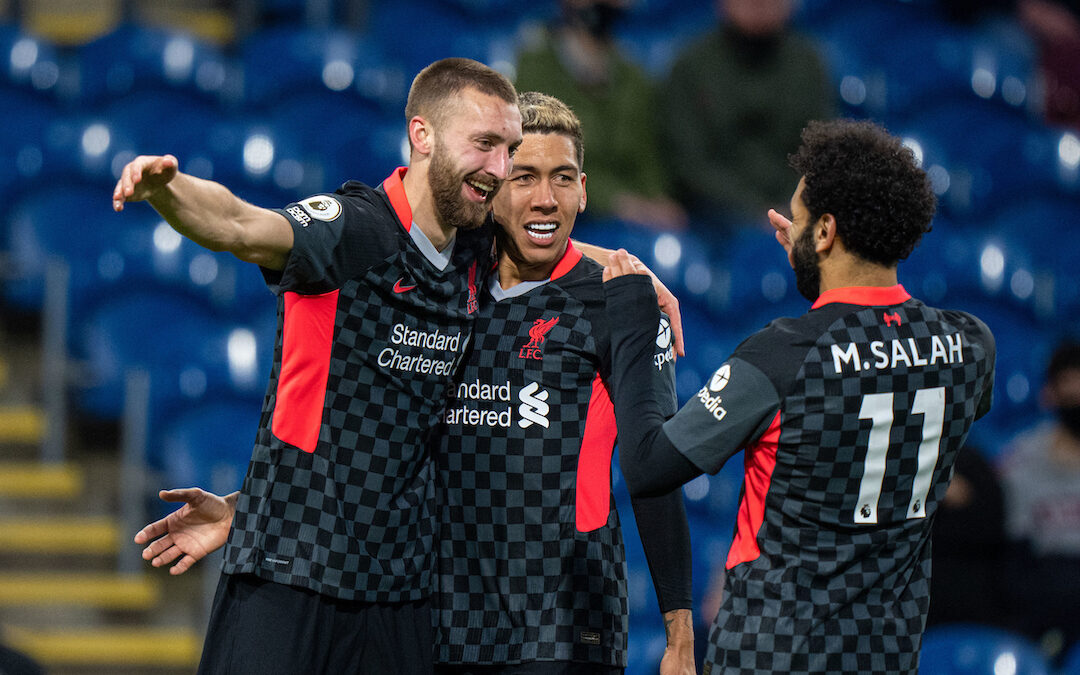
(255, 115)
(962, 649)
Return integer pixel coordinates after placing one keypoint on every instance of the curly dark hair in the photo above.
(870, 182)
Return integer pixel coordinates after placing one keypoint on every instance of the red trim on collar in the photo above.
(864, 295)
(395, 190)
(570, 257)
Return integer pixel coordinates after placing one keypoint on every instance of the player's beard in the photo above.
(804, 259)
(451, 208)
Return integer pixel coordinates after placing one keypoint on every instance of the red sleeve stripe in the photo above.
(593, 498)
(307, 337)
(760, 463)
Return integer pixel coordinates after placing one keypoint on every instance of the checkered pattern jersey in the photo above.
(851, 417)
(339, 493)
(531, 561)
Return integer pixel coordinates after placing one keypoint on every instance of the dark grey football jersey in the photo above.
(531, 561)
(339, 494)
(851, 417)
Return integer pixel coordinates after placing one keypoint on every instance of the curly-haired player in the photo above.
(851, 417)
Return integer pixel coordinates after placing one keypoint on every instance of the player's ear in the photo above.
(824, 232)
(584, 198)
(421, 135)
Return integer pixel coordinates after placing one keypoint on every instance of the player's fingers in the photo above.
(183, 566)
(167, 556)
(620, 262)
(157, 547)
(781, 223)
(675, 318)
(186, 495)
(151, 531)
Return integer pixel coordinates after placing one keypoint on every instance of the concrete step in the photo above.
(100, 590)
(21, 424)
(148, 648)
(35, 480)
(75, 535)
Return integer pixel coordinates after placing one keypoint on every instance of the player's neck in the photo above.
(422, 203)
(512, 272)
(847, 272)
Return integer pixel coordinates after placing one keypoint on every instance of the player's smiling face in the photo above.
(471, 156)
(538, 205)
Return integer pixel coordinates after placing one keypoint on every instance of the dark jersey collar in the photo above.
(864, 295)
(570, 257)
(395, 190)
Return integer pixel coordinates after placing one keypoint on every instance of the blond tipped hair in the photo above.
(543, 114)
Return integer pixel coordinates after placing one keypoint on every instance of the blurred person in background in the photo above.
(734, 105)
(579, 63)
(1054, 26)
(1040, 474)
(969, 546)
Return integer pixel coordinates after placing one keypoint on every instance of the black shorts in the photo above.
(532, 668)
(258, 626)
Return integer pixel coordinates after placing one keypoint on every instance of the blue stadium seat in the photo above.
(74, 224)
(252, 156)
(1007, 157)
(30, 63)
(109, 253)
(173, 337)
(762, 285)
(87, 147)
(1070, 664)
(438, 30)
(293, 63)
(207, 445)
(366, 144)
(25, 118)
(964, 649)
(135, 57)
(173, 122)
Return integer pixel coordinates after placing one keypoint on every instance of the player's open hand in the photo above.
(142, 177)
(195, 530)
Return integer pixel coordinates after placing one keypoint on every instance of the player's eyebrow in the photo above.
(529, 168)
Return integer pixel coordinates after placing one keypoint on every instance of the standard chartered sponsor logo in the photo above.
(403, 336)
(534, 407)
(486, 404)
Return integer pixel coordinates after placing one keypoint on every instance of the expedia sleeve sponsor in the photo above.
(731, 408)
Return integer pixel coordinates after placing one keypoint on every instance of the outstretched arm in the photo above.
(195, 530)
(205, 212)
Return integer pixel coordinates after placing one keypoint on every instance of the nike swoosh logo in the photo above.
(398, 288)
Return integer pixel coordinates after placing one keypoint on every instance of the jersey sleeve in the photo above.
(642, 400)
(665, 538)
(334, 237)
(729, 411)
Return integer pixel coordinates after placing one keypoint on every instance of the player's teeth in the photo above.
(481, 187)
